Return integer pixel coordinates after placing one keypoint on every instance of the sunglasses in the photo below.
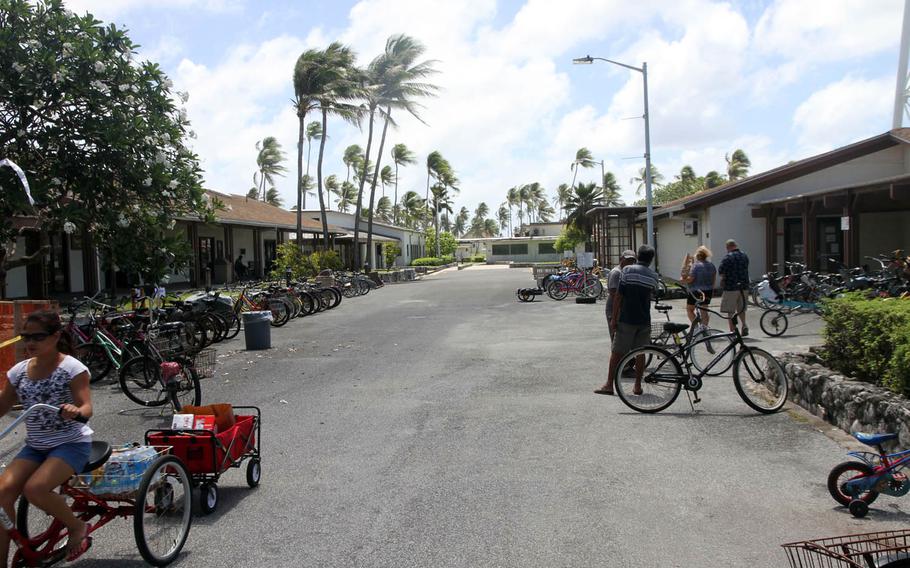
(34, 337)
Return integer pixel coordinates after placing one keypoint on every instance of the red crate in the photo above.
(207, 453)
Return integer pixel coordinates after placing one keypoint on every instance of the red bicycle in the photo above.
(160, 507)
(582, 282)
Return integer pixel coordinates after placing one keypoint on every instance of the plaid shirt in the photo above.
(735, 269)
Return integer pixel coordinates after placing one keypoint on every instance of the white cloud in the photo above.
(112, 9)
(843, 112)
(834, 30)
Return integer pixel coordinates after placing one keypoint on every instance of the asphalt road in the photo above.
(444, 423)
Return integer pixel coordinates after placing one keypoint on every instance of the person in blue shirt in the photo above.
(734, 279)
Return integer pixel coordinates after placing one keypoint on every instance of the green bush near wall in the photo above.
(432, 261)
(869, 340)
(476, 258)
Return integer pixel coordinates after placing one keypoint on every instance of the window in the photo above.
(519, 249)
(546, 248)
(500, 250)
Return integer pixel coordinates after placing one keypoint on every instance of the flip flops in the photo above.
(604, 391)
(73, 554)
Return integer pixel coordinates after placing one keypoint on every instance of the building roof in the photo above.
(241, 210)
(787, 172)
(363, 221)
(881, 183)
(629, 209)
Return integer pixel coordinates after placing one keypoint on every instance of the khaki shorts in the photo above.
(733, 302)
(629, 336)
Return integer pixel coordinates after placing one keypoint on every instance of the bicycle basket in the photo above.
(853, 551)
(204, 363)
(168, 342)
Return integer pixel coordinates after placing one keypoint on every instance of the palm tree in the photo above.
(353, 156)
(512, 198)
(524, 192)
(386, 177)
(346, 194)
(307, 186)
(396, 79)
(544, 212)
(737, 165)
(656, 179)
(612, 192)
(563, 193)
(435, 164)
(587, 196)
(384, 209)
(401, 156)
(331, 188)
(313, 131)
(325, 79)
(253, 193)
(713, 179)
(461, 222)
(687, 174)
(268, 161)
(502, 215)
(584, 159)
(490, 228)
(535, 195)
(441, 202)
(413, 206)
(273, 198)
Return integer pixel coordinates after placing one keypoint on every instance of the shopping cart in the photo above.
(885, 549)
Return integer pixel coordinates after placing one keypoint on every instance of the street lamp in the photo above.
(587, 60)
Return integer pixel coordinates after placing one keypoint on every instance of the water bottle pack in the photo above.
(122, 473)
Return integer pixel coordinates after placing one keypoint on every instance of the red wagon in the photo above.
(208, 454)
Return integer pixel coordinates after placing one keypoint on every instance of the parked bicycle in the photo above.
(856, 484)
(759, 378)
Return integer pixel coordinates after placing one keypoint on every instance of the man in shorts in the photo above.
(625, 259)
(734, 279)
(631, 320)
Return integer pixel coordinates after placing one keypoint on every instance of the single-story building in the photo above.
(832, 208)
(411, 241)
(511, 249)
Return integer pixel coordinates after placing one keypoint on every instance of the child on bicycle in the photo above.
(56, 447)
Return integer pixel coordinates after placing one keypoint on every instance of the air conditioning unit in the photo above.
(690, 227)
(536, 232)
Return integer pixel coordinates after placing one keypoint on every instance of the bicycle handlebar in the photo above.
(33, 408)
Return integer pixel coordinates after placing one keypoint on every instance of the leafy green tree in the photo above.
(713, 179)
(331, 188)
(353, 157)
(100, 137)
(273, 198)
(513, 197)
(386, 177)
(390, 252)
(502, 215)
(570, 237)
(253, 193)
(447, 243)
(563, 193)
(413, 208)
(656, 179)
(346, 195)
(461, 222)
(384, 209)
(401, 156)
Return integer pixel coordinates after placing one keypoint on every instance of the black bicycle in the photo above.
(661, 373)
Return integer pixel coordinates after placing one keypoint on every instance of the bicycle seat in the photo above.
(675, 327)
(663, 308)
(99, 454)
(874, 439)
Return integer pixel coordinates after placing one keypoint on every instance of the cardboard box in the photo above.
(183, 422)
(204, 422)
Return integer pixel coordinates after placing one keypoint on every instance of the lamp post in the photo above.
(587, 60)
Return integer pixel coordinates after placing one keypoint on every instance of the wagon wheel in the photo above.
(253, 472)
(208, 497)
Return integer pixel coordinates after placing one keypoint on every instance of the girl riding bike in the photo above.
(56, 446)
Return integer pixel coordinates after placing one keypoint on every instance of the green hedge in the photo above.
(476, 258)
(432, 261)
(869, 340)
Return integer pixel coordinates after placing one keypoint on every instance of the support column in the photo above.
(770, 238)
(192, 232)
(257, 252)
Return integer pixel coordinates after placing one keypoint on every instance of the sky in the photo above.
(782, 80)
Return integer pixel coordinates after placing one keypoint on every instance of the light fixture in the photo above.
(586, 60)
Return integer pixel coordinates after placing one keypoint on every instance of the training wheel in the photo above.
(858, 508)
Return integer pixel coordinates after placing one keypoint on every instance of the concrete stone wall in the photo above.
(851, 405)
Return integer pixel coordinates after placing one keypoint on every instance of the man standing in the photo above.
(625, 259)
(734, 279)
(631, 321)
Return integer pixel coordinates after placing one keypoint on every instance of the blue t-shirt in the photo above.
(635, 285)
(735, 270)
(703, 272)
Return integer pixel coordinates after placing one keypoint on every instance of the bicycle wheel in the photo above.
(163, 514)
(280, 312)
(591, 287)
(96, 359)
(349, 290)
(844, 472)
(660, 383)
(708, 346)
(184, 388)
(140, 381)
(760, 380)
(558, 290)
(774, 323)
(233, 325)
(34, 523)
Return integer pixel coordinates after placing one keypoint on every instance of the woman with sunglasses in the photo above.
(56, 446)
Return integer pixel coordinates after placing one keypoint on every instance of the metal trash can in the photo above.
(257, 330)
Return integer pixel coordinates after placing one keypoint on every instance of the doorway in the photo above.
(794, 248)
(830, 244)
(206, 259)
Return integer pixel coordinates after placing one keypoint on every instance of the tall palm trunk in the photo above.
(363, 179)
(300, 138)
(511, 233)
(385, 128)
(325, 222)
(395, 203)
(427, 198)
(309, 152)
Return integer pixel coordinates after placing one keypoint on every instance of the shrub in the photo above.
(390, 251)
(869, 339)
(288, 255)
(428, 261)
(447, 243)
(476, 258)
(320, 260)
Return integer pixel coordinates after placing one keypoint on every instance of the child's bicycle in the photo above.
(160, 508)
(856, 484)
